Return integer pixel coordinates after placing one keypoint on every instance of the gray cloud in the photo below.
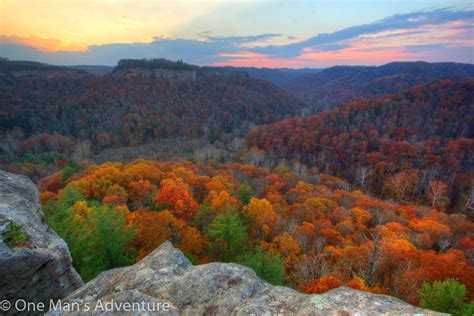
(193, 51)
(423, 48)
(402, 34)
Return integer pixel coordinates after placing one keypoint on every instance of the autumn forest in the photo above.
(348, 176)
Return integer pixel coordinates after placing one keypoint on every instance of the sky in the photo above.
(291, 33)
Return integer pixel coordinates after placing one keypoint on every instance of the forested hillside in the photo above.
(46, 118)
(416, 145)
(310, 232)
(340, 85)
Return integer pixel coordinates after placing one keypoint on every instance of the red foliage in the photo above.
(321, 285)
(179, 201)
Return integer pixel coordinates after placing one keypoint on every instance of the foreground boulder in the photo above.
(35, 264)
(166, 276)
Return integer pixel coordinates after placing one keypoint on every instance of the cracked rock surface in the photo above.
(39, 268)
(166, 275)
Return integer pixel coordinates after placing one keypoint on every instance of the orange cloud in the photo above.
(43, 43)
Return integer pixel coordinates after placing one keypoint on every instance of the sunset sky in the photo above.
(241, 33)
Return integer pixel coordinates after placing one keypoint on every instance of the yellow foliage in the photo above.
(261, 210)
(220, 200)
(80, 209)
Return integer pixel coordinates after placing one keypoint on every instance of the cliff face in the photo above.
(170, 75)
(36, 266)
(167, 277)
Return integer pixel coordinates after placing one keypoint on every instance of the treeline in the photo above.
(310, 232)
(154, 63)
(412, 146)
(11, 65)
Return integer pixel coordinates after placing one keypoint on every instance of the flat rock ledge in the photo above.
(40, 267)
(166, 276)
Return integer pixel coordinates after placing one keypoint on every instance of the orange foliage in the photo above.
(47, 196)
(140, 191)
(220, 200)
(152, 229)
(192, 241)
(347, 237)
(178, 200)
(321, 285)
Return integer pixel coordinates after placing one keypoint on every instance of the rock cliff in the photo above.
(171, 75)
(36, 264)
(166, 276)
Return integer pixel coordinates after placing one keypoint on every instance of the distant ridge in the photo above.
(20, 68)
(94, 69)
(336, 86)
(277, 76)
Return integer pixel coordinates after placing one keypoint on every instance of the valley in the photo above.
(313, 187)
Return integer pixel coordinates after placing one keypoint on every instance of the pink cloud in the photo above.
(358, 56)
(425, 42)
(249, 59)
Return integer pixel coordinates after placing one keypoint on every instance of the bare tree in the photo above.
(445, 243)
(314, 265)
(237, 143)
(256, 155)
(82, 150)
(296, 166)
(374, 256)
(437, 192)
(401, 184)
(470, 200)
(362, 174)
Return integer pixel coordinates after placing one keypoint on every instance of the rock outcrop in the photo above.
(166, 276)
(38, 266)
(170, 75)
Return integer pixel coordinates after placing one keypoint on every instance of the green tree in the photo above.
(70, 169)
(107, 242)
(203, 217)
(58, 216)
(245, 193)
(12, 235)
(98, 242)
(229, 228)
(446, 296)
(265, 265)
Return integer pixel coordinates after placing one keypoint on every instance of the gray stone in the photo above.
(223, 289)
(170, 75)
(39, 268)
